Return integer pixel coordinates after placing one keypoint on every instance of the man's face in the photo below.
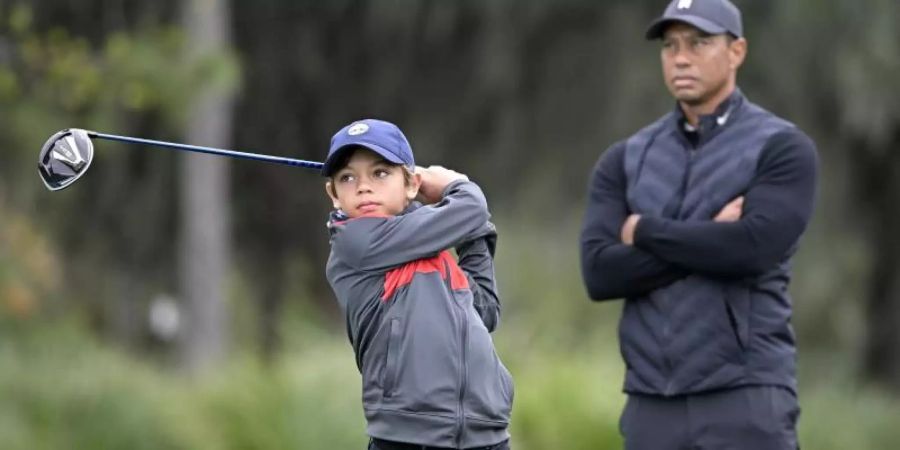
(370, 186)
(698, 66)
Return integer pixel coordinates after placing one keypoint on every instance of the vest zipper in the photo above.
(691, 153)
(667, 333)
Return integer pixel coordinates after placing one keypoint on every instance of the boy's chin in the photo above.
(378, 213)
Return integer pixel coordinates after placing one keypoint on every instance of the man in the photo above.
(693, 221)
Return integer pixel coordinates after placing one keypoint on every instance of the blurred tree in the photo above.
(867, 67)
(119, 70)
(204, 254)
(112, 227)
(840, 75)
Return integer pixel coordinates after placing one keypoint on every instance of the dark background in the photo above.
(522, 96)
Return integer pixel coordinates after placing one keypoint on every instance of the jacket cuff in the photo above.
(646, 229)
(453, 184)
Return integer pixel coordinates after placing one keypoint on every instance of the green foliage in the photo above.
(29, 266)
(61, 389)
(566, 400)
(840, 417)
(53, 80)
(148, 69)
(312, 400)
(539, 275)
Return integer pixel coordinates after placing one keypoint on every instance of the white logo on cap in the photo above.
(358, 128)
(684, 4)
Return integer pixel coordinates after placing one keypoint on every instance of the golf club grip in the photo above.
(211, 150)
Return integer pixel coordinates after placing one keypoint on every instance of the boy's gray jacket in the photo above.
(419, 322)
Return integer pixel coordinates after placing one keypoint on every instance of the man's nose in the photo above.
(682, 58)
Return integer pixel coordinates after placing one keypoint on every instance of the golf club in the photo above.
(67, 155)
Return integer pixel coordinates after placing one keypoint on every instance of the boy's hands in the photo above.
(434, 180)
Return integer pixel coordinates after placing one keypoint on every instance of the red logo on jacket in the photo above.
(443, 263)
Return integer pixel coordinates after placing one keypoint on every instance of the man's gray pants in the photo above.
(746, 418)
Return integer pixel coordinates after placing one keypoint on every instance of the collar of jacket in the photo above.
(720, 117)
(338, 217)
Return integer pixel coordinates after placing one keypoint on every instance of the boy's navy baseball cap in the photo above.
(381, 137)
(709, 16)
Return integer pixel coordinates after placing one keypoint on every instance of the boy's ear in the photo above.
(412, 188)
(330, 191)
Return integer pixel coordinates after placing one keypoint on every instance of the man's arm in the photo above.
(776, 210)
(476, 259)
(610, 268)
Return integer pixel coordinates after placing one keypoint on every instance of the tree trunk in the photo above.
(204, 225)
(879, 174)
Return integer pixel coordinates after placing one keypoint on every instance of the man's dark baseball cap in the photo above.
(381, 137)
(709, 16)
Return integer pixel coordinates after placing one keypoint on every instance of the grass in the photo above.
(62, 390)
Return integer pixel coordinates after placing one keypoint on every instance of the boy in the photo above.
(418, 321)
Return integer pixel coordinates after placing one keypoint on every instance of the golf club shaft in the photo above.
(210, 150)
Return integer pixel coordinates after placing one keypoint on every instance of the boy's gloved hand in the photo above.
(434, 180)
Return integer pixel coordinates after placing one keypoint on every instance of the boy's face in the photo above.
(370, 186)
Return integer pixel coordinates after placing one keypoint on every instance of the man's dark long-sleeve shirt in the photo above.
(706, 303)
(777, 207)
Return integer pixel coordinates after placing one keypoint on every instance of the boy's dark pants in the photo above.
(379, 444)
(746, 418)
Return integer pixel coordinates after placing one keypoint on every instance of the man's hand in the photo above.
(434, 180)
(628, 229)
(731, 212)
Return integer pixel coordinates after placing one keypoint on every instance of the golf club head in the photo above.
(65, 157)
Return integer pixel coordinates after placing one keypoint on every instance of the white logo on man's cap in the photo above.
(358, 128)
(684, 4)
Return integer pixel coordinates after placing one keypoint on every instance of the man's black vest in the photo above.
(704, 333)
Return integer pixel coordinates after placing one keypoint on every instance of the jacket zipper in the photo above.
(464, 369)
(462, 388)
